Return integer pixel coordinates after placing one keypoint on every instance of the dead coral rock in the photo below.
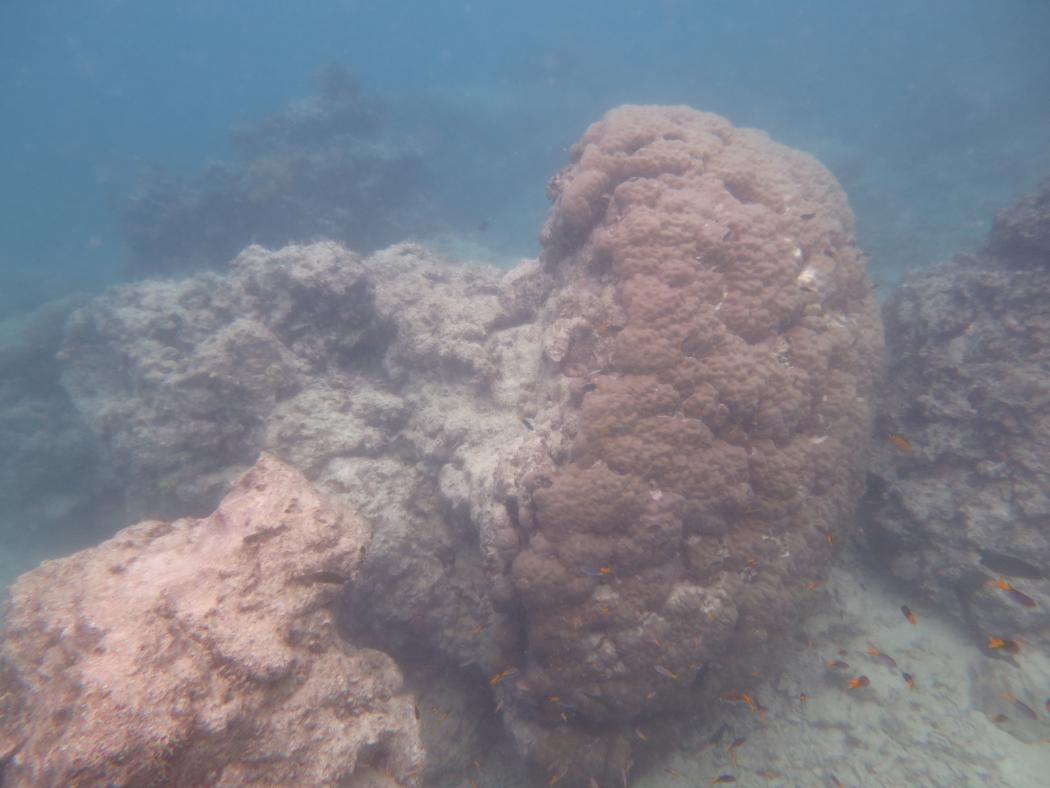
(724, 319)
(394, 381)
(1021, 233)
(202, 652)
(966, 499)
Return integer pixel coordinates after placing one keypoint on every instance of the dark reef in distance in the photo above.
(968, 384)
(322, 168)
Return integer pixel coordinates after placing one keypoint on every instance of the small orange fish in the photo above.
(859, 682)
(1019, 597)
(641, 734)
(557, 776)
(900, 442)
(554, 699)
(723, 779)
(1004, 645)
(803, 697)
(503, 674)
(667, 674)
(608, 330)
(885, 659)
(837, 664)
(909, 680)
(750, 702)
(909, 615)
(813, 585)
(830, 539)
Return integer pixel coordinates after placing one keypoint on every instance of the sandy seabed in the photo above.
(942, 732)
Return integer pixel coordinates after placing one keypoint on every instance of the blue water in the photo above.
(932, 113)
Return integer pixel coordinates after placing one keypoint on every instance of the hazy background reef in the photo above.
(925, 112)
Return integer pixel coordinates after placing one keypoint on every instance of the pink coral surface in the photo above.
(712, 305)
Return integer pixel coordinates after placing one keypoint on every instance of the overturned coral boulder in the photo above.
(202, 652)
(965, 500)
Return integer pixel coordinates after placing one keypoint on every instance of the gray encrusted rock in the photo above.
(966, 500)
(202, 652)
(1021, 232)
(379, 376)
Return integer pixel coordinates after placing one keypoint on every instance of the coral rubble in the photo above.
(603, 478)
(202, 652)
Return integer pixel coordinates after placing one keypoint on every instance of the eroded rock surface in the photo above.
(202, 652)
